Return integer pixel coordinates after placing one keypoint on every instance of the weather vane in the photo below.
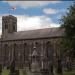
(13, 8)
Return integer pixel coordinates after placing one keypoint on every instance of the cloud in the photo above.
(54, 11)
(55, 25)
(26, 4)
(50, 11)
(34, 22)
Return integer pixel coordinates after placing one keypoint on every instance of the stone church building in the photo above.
(28, 48)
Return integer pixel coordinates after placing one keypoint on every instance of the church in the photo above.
(28, 48)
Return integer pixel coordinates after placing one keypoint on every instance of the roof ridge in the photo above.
(38, 29)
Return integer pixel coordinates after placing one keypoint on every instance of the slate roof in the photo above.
(33, 34)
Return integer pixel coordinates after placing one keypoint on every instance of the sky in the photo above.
(35, 14)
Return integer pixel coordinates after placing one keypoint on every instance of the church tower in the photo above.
(9, 25)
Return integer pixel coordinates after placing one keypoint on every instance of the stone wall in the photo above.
(21, 51)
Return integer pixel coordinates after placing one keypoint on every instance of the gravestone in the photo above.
(35, 67)
(59, 68)
(0, 69)
(12, 66)
(13, 71)
(16, 72)
(44, 71)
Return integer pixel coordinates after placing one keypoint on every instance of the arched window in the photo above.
(5, 54)
(36, 43)
(26, 54)
(48, 49)
(25, 51)
(32, 48)
(37, 47)
(15, 52)
(6, 24)
(13, 27)
(38, 50)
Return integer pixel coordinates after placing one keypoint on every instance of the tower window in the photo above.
(13, 27)
(6, 26)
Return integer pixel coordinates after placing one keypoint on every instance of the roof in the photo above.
(33, 34)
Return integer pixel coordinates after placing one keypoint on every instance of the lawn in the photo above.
(5, 72)
(68, 73)
(22, 72)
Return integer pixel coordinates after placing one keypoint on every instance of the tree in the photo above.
(68, 42)
(68, 22)
(66, 52)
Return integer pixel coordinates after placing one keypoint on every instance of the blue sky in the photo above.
(35, 14)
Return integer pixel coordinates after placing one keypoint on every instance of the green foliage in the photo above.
(68, 23)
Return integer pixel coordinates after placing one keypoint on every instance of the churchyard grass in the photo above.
(23, 72)
(5, 72)
(68, 73)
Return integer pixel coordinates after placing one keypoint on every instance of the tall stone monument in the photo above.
(35, 69)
